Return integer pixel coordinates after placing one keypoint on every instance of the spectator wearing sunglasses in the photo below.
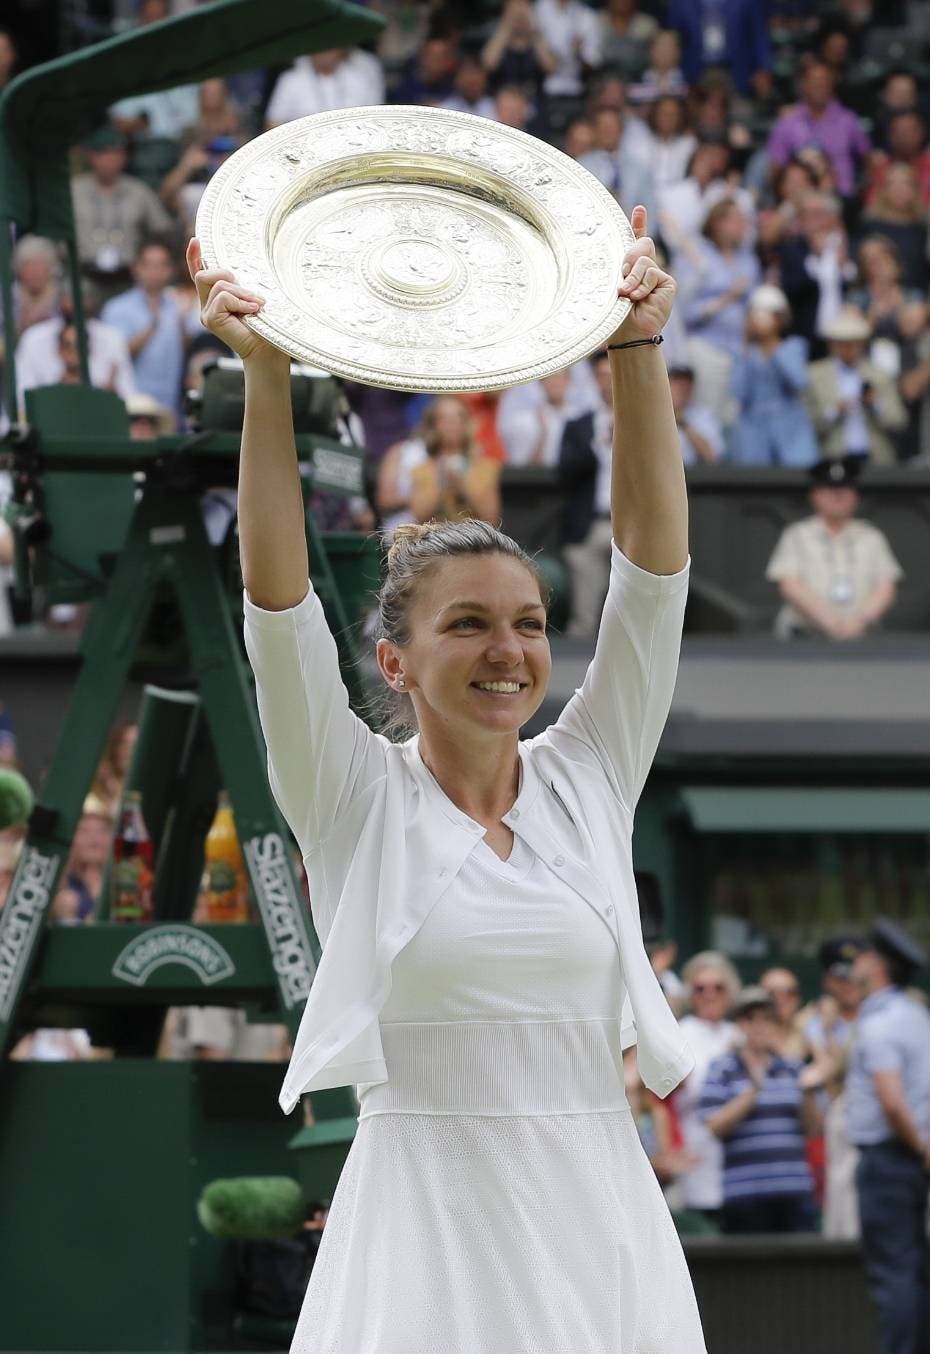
(712, 985)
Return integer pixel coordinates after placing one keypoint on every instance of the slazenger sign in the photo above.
(185, 945)
(20, 920)
(274, 890)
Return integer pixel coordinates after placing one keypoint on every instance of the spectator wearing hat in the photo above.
(772, 424)
(147, 418)
(888, 1119)
(698, 428)
(854, 405)
(754, 1102)
(829, 1024)
(836, 574)
(113, 212)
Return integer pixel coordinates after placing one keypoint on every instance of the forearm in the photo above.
(902, 1122)
(137, 343)
(272, 531)
(805, 600)
(811, 1115)
(649, 500)
(878, 602)
(723, 1122)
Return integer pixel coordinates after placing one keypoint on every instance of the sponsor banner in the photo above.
(21, 919)
(281, 910)
(173, 944)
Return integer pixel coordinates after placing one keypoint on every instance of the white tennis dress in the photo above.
(496, 1199)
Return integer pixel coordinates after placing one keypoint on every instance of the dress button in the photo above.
(443, 872)
(559, 860)
(610, 911)
(514, 813)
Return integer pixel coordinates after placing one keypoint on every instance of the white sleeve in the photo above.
(320, 754)
(621, 707)
(280, 104)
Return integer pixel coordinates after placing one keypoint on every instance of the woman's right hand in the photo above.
(222, 301)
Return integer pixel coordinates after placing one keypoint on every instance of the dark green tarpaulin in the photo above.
(47, 109)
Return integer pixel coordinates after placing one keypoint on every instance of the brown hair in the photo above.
(428, 426)
(415, 549)
(716, 214)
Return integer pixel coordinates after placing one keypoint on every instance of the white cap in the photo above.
(769, 298)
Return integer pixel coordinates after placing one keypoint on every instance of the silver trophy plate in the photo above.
(418, 248)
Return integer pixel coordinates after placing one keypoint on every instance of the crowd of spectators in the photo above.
(758, 1137)
(781, 149)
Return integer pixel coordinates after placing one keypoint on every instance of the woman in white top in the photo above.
(712, 985)
(483, 963)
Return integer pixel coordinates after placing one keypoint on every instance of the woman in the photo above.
(473, 895)
(440, 473)
(772, 424)
(898, 214)
(785, 991)
(671, 144)
(755, 1103)
(715, 284)
(897, 312)
(711, 984)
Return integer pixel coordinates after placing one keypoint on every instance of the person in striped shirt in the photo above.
(757, 1102)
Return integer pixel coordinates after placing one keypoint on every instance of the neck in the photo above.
(480, 775)
(835, 525)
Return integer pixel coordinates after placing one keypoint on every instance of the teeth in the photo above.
(499, 686)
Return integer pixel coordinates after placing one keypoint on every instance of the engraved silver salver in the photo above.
(419, 248)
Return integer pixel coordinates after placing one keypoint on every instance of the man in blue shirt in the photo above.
(151, 319)
(888, 1118)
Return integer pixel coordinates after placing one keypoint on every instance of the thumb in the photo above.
(638, 221)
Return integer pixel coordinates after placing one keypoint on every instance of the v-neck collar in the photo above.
(526, 794)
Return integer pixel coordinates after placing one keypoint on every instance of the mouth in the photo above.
(500, 690)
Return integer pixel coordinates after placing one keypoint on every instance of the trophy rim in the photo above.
(561, 221)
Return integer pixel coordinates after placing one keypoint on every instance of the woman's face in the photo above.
(901, 191)
(476, 619)
(710, 995)
(784, 989)
(795, 181)
(759, 1030)
(450, 419)
(729, 229)
(876, 263)
(668, 117)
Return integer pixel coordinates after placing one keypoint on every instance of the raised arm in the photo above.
(649, 501)
(272, 535)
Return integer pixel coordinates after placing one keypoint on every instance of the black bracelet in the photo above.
(638, 343)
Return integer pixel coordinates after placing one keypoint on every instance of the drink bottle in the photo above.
(225, 885)
(132, 876)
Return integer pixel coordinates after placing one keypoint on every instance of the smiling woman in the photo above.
(483, 964)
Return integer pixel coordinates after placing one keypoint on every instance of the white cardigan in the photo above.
(381, 841)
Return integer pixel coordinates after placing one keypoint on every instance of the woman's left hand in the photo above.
(651, 290)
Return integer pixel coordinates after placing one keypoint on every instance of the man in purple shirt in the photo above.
(820, 120)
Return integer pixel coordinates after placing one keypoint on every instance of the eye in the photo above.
(465, 620)
(531, 620)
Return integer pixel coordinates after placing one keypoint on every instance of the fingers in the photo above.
(644, 276)
(638, 221)
(644, 248)
(227, 297)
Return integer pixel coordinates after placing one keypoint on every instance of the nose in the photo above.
(505, 647)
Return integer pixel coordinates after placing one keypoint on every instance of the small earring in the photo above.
(401, 682)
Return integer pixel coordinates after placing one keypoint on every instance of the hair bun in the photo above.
(409, 534)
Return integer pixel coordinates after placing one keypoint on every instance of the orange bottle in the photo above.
(225, 886)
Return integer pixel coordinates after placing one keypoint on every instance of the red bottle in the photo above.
(133, 865)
